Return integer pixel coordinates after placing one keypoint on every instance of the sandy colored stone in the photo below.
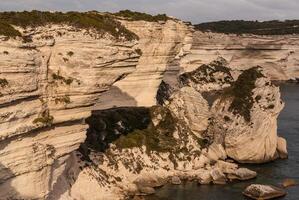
(256, 191)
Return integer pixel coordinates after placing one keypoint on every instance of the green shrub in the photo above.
(67, 81)
(156, 138)
(138, 51)
(45, 118)
(252, 27)
(70, 53)
(64, 99)
(8, 30)
(3, 82)
(137, 16)
(102, 23)
(241, 92)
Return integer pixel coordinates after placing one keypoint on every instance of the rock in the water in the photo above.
(218, 176)
(226, 167)
(289, 182)
(242, 174)
(282, 148)
(146, 190)
(246, 118)
(175, 180)
(150, 181)
(204, 177)
(256, 191)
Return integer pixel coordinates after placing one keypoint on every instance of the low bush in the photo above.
(102, 23)
(274, 27)
(137, 16)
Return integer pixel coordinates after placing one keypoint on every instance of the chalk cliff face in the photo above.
(277, 55)
(86, 116)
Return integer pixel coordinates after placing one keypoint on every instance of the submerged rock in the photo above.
(288, 183)
(146, 190)
(256, 191)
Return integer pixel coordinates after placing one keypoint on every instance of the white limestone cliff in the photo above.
(50, 85)
(248, 130)
(277, 55)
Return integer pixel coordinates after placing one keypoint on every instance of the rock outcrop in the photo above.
(52, 82)
(245, 118)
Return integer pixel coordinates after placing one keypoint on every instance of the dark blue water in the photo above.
(271, 173)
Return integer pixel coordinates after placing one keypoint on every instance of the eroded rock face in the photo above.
(245, 118)
(50, 85)
(211, 77)
(275, 54)
(189, 105)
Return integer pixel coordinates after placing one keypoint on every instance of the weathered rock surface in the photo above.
(256, 191)
(50, 85)
(282, 148)
(289, 183)
(246, 118)
(277, 55)
(242, 174)
(175, 180)
(189, 105)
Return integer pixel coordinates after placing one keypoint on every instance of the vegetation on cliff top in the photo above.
(242, 92)
(274, 27)
(8, 30)
(206, 73)
(137, 16)
(103, 23)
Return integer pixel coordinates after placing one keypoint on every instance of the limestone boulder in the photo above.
(175, 180)
(242, 174)
(256, 191)
(282, 148)
(204, 177)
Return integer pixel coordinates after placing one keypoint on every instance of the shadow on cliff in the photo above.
(106, 126)
(7, 191)
(114, 114)
(114, 97)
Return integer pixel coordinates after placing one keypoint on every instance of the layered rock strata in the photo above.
(50, 84)
(277, 55)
